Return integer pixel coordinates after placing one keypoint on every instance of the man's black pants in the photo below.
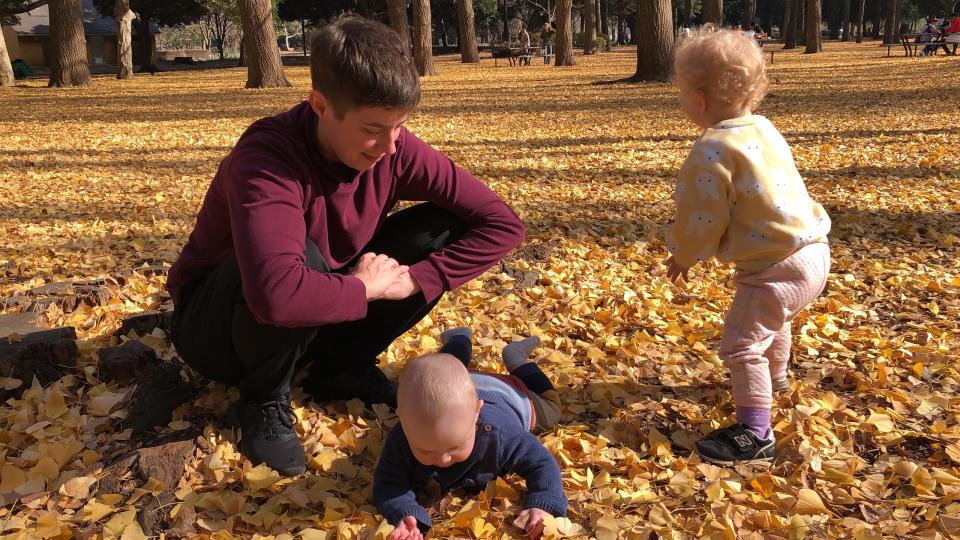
(217, 335)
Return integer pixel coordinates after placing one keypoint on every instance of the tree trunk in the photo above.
(713, 12)
(834, 20)
(596, 17)
(6, 69)
(423, 38)
(860, 13)
(897, 15)
(220, 25)
(589, 27)
(605, 18)
(145, 42)
(398, 20)
(877, 17)
(654, 41)
(801, 24)
(468, 34)
(242, 60)
(303, 37)
(68, 47)
(749, 12)
(264, 68)
(888, 22)
(564, 36)
(846, 20)
(687, 13)
(506, 22)
(813, 27)
(789, 24)
(948, 8)
(124, 18)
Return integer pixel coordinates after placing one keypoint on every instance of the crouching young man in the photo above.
(294, 257)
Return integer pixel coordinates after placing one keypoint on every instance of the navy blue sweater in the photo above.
(502, 445)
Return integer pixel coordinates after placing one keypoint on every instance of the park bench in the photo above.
(518, 56)
(767, 50)
(938, 42)
(907, 41)
(912, 47)
(184, 60)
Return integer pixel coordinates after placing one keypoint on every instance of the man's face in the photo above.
(361, 137)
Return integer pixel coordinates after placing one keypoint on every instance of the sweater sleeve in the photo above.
(392, 493)
(269, 234)
(702, 197)
(493, 229)
(525, 455)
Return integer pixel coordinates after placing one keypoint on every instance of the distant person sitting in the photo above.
(758, 33)
(953, 32)
(928, 34)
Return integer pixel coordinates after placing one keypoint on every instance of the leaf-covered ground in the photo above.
(96, 182)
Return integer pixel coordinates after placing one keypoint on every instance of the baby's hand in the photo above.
(407, 530)
(531, 521)
(675, 271)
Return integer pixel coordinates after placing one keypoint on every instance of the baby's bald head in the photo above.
(438, 409)
(433, 384)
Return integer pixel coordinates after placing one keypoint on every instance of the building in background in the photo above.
(30, 38)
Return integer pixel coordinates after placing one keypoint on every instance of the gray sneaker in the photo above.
(736, 444)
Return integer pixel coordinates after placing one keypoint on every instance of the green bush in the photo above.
(603, 42)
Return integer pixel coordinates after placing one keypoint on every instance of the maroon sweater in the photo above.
(275, 189)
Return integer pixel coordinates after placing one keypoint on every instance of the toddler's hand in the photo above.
(675, 271)
(407, 530)
(532, 520)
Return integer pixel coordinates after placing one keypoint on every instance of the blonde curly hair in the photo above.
(726, 65)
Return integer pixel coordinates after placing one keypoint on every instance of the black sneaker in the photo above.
(735, 444)
(267, 434)
(369, 384)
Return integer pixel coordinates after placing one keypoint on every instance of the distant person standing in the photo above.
(547, 34)
(524, 38)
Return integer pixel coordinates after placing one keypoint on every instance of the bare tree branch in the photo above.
(542, 8)
(24, 8)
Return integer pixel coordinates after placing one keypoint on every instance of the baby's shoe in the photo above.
(736, 444)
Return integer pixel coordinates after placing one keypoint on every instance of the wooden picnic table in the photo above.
(911, 42)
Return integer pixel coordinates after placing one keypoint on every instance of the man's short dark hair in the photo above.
(359, 62)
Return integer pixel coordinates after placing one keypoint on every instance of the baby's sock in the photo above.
(516, 357)
(756, 419)
(534, 379)
(517, 353)
(456, 341)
